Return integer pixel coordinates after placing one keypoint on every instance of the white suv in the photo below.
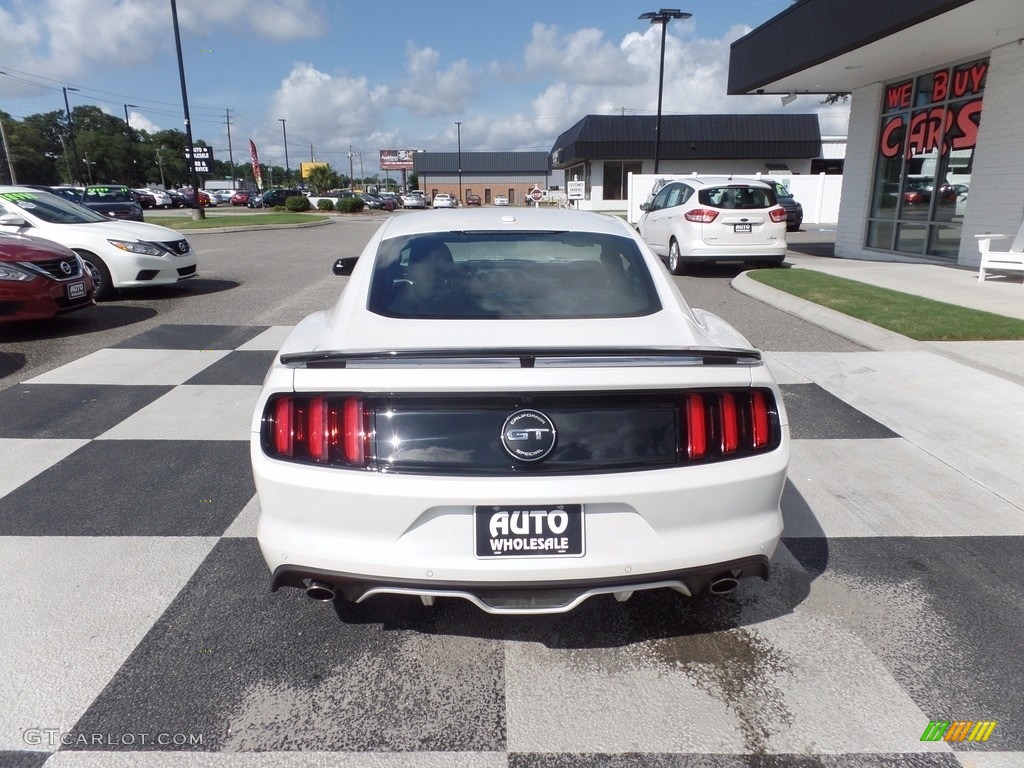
(118, 253)
(714, 218)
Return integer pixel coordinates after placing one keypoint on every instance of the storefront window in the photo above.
(926, 147)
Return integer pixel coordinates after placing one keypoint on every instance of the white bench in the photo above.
(1001, 261)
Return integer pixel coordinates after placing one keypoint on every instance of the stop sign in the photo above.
(537, 194)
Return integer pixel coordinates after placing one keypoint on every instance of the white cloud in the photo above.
(428, 91)
(345, 110)
(583, 56)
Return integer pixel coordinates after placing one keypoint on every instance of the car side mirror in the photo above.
(645, 207)
(345, 265)
(13, 220)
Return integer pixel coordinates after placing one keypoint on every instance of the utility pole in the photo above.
(458, 127)
(131, 158)
(7, 153)
(231, 157)
(71, 132)
(351, 170)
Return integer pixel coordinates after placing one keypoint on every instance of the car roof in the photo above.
(492, 219)
(718, 181)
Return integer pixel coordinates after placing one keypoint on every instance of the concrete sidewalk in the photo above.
(812, 249)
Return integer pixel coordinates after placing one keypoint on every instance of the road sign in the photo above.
(537, 194)
(576, 190)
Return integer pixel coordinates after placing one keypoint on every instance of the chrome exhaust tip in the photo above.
(722, 585)
(318, 590)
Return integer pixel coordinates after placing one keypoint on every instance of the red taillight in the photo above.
(354, 428)
(696, 431)
(284, 444)
(726, 424)
(778, 215)
(761, 434)
(730, 423)
(318, 429)
(701, 215)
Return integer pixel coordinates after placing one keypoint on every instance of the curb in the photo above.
(253, 228)
(859, 331)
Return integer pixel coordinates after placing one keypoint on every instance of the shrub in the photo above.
(351, 204)
(297, 204)
(325, 205)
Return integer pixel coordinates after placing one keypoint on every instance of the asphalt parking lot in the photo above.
(139, 627)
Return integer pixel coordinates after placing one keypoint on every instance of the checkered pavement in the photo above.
(138, 628)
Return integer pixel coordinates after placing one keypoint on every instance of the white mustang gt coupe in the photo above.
(520, 410)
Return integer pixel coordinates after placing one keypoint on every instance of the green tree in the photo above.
(321, 179)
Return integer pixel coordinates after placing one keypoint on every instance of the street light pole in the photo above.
(198, 212)
(287, 167)
(663, 17)
(71, 133)
(458, 127)
(131, 160)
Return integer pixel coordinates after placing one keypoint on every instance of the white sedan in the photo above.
(118, 253)
(442, 200)
(520, 411)
(161, 198)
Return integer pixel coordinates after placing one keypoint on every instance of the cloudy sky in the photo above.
(371, 75)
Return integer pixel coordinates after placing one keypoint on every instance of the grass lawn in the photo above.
(918, 318)
(235, 220)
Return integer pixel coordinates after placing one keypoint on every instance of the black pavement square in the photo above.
(192, 337)
(247, 670)
(238, 367)
(653, 760)
(134, 488)
(956, 651)
(816, 414)
(24, 759)
(81, 411)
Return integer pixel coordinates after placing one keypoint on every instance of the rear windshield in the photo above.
(511, 275)
(737, 197)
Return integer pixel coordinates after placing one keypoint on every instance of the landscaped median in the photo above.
(911, 316)
(248, 220)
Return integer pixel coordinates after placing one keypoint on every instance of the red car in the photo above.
(241, 197)
(40, 279)
(473, 200)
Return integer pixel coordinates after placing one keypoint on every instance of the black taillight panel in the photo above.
(462, 434)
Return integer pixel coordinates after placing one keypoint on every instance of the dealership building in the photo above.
(935, 148)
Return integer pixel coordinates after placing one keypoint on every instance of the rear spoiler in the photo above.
(521, 358)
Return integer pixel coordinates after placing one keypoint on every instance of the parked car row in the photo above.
(107, 254)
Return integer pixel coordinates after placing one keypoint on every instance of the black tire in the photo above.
(676, 265)
(100, 276)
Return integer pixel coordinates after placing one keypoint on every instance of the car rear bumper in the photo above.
(368, 532)
(521, 598)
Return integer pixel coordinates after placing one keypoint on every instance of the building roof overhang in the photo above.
(834, 46)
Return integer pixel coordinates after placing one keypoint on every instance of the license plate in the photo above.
(742, 228)
(529, 530)
(76, 291)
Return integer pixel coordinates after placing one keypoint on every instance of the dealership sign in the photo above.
(396, 159)
(201, 157)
